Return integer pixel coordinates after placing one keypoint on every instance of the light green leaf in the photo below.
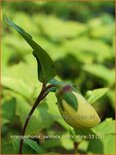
(102, 146)
(17, 85)
(105, 143)
(95, 94)
(106, 127)
(58, 29)
(5, 121)
(67, 143)
(89, 50)
(17, 72)
(106, 130)
(101, 72)
(83, 146)
(41, 118)
(109, 148)
(46, 68)
(36, 123)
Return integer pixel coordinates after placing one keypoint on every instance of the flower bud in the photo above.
(83, 116)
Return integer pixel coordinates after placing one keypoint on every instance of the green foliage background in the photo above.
(79, 37)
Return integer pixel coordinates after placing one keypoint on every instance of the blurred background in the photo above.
(79, 37)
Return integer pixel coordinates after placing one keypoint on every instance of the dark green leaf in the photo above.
(32, 144)
(8, 109)
(29, 146)
(95, 146)
(46, 68)
(61, 84)
(8, 149)
(71, 99)
(102, 146)
(58, 83)
(106, 130)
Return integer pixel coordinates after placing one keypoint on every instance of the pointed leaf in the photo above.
(94, 95)
(71, 99)
(62, 83)
(46, 68)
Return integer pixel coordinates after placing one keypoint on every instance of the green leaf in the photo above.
(109, 148)
(17, 85)
(63, 27)
(60, 84)
(71, 99)
(99, 137)
(95, 146)
(9, 113)
(95, 94)
(82, 147)
(106, 127)
(17, 73)
(8, 149)
(5, 121)
(36, 122)
(67, 143)
(106, 130)
(51, 143)
(46, 68)
(29, 146)
(41, 118)
(102, 146)
(84, 133)
(45, 114)
(89, 50)
(101, 72)
(34, 146)
(56, 82)
(54, 111)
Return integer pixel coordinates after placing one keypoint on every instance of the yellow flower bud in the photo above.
(84, 117)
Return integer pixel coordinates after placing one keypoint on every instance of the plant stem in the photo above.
(38, 100)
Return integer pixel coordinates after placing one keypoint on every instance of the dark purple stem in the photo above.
(41, 96)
